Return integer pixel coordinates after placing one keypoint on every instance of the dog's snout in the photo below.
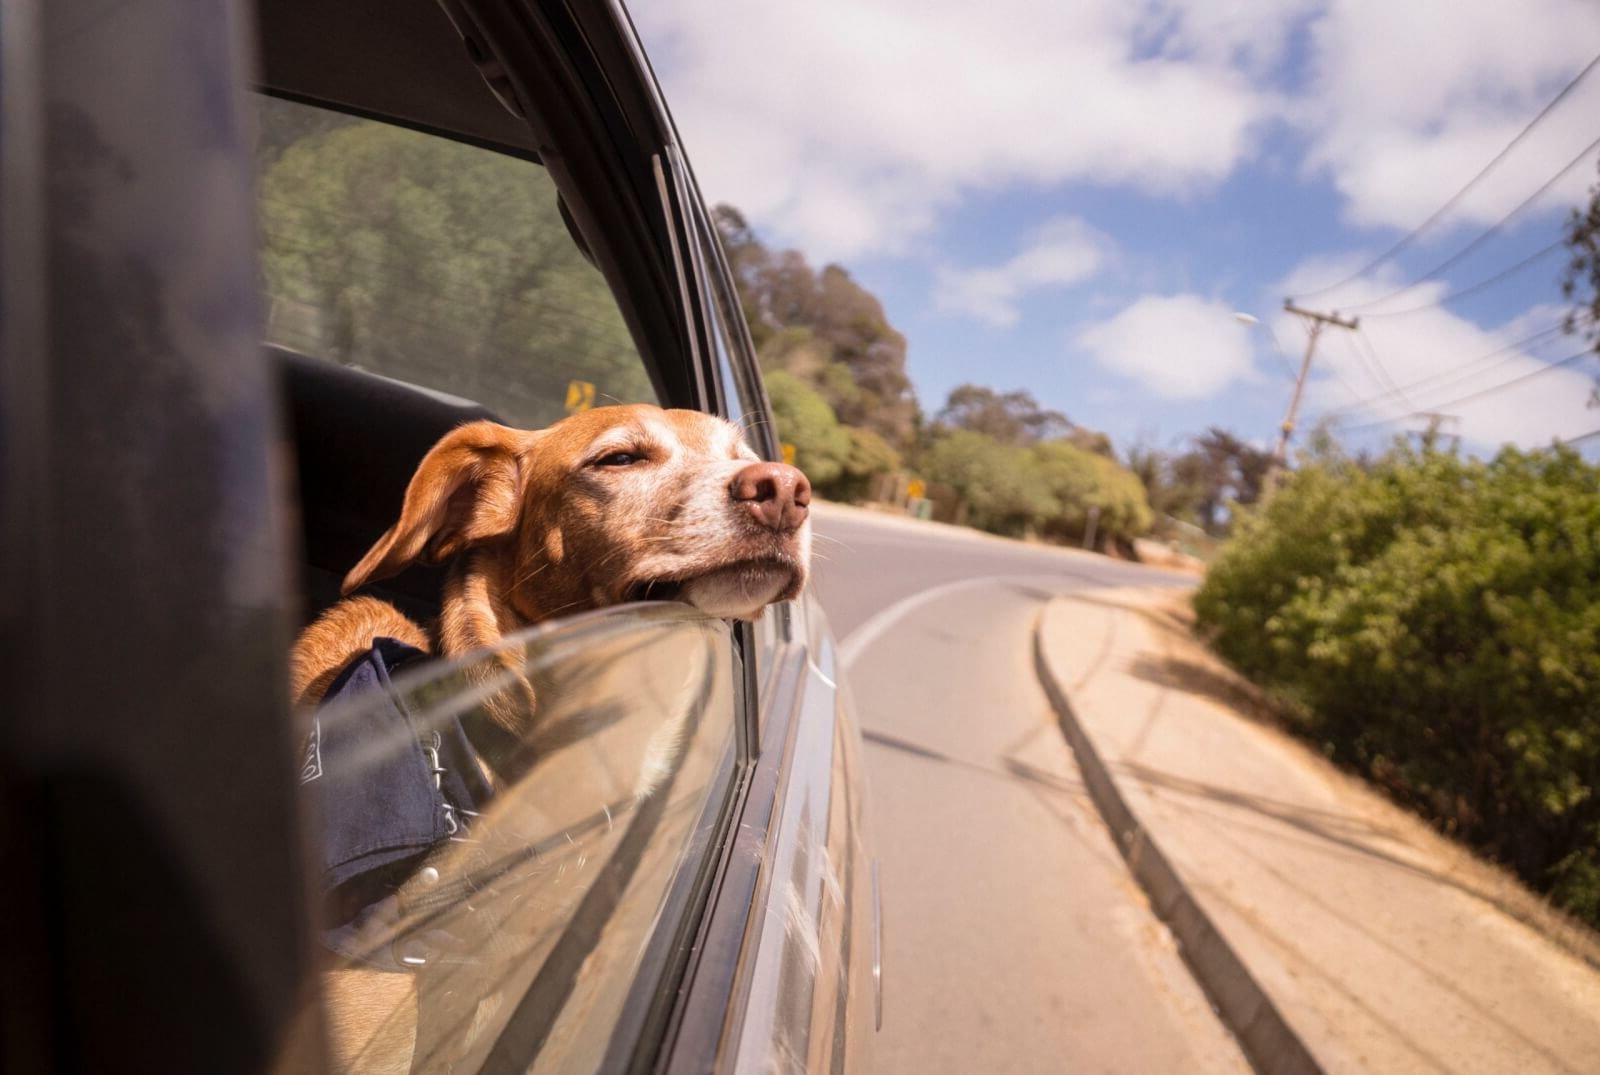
(777, 495)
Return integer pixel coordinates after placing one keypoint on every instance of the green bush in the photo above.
(805, 420)
(869, 456)
(1078, 480)
(1002, 485)
(1435, 622)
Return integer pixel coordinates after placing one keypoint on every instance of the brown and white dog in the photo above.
(610, 505)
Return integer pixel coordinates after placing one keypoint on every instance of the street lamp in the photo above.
(1279, 350)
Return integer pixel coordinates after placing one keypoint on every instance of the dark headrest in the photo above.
(358, 438)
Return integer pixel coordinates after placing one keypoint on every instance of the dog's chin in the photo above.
(736, 592)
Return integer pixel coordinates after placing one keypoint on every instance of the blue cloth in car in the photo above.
(374, 786)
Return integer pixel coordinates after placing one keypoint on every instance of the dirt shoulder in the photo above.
(1187, 664)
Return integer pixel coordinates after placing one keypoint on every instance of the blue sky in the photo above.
(1076, 197)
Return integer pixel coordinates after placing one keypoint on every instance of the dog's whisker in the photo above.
(527, 577)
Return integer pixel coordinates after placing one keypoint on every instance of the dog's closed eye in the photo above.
(619, 459)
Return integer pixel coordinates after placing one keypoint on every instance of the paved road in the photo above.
(1015, 940)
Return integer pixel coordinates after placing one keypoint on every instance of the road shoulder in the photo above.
(1332, 930)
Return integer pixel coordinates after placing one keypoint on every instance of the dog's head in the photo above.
(610, 505)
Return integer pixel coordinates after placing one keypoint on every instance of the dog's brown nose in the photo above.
(776, 494)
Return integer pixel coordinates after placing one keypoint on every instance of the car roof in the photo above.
(347, 54)
(421, 63)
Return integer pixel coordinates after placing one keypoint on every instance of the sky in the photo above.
(1078, 197)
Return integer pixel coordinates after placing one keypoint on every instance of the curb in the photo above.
(1268, 1041)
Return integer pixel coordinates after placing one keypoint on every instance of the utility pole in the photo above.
(1436, 422)
(1280, 456)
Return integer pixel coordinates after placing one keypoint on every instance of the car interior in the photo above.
(357, 440)
(357, 436)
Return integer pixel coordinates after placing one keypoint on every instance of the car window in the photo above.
(436, 263)
(498, 913)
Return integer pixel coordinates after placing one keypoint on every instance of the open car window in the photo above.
(517, 914)
(518, 908)
(436, 263)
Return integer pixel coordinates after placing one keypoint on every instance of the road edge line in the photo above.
(1269, 1042)
(851, 647)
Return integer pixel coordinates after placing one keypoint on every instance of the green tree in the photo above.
(1203, 485)
(1000, 483)
(804, 419)
(1581, 281)
(869, 457)
(1080, 481)
(439, 264)
(844, 348)
(1009, 417)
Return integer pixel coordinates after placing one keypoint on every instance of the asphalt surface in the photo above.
(1015, 940)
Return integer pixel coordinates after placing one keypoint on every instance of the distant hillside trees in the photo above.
(836, 373)
(1203, 484)
(825, 329)
(1008, 417)
(461, 277)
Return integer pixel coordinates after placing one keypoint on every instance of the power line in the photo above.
(1581, 437)
(1462, 293)
(1366, 367)
(1284, 364)
(1333, 369)
(1508, 353)
(1485, 236)
(1455, 198)
(1364, 342)
(1491, 390)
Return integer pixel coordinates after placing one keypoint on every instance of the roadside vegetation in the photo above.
(1433, 622)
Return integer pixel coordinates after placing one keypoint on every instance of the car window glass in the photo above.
(435, 263)
(487, 905)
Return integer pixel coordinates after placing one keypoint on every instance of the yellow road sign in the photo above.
(580, 396)
(916, 489)
(788, 453)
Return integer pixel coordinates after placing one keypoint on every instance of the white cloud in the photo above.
(1177, 346)
(1063, 252)
(853, 126)
(1250, 34)
(1407, 101)
(847, 125)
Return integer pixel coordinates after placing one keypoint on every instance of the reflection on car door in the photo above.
(524, 928)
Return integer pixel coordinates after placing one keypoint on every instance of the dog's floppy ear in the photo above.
(466, 491)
